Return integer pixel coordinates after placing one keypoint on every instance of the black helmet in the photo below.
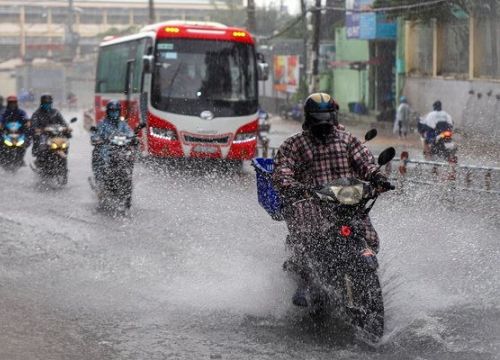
(113, 110)
(320, 108)
(320, 103)
(437, 106)
(46, 99)
(320, 112)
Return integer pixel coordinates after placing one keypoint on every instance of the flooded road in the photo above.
(195, 273)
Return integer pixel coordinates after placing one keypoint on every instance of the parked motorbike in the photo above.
(264, 126)
(294, 113)
(13, 146)
(51, 163)
(114, 185)
(340, 266)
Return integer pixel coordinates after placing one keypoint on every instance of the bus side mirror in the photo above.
(262, 68)
(147, 63)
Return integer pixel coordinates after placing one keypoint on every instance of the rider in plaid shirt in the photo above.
(323, 152)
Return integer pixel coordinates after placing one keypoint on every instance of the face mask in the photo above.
(321, 131)
(114, 115)
(46, 106)
(12, 106)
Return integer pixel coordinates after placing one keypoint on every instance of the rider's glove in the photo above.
(380, 181)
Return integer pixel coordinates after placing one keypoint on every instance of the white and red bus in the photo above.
(195, 85)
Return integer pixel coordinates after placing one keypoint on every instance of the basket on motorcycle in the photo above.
(267, 195)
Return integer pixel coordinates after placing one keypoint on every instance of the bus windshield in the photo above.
(191, 76)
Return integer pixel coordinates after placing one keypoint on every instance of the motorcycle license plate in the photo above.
(205, 149)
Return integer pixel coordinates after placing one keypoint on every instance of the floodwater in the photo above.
(195, 273)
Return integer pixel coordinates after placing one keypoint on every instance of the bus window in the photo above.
(111, 68)
(140, 51)
(194, 75)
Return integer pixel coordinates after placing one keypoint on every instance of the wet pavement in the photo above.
(194, 272)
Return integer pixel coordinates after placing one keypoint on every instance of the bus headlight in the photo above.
(245, 137)
(167, 134)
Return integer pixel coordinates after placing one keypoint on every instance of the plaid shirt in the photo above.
(303, 160)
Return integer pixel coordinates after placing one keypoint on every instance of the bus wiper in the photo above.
(173, 79)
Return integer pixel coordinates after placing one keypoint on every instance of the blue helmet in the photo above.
(113, 110)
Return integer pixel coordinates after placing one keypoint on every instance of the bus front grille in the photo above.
(206, 140)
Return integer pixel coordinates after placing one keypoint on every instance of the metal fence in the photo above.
(479, 179)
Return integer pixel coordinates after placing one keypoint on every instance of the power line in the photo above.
(385, 9)
(286, 28)
(343, 9)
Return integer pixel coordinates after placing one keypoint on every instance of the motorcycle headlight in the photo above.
(20, 143)
(244, 137)
(350, 195)
(8, 142)
(64, 145)
(53, 146)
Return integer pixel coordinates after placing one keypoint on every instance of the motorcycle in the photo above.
(52, 159)
(443, 146)
(264, 126)
(438, 142)
(294, 113)
(341, 268)
(114, 186)
(13, 146)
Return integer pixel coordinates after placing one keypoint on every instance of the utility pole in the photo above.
(494, 40)
(71, 37)
(315, 45)
(251, 20)
(305, 63)
(152, 18)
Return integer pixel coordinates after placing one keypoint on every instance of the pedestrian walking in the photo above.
(402, 121)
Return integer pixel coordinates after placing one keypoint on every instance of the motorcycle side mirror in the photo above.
(73, 120)
(93, 129)
(386, 156)
(139, 127)
(371, 134)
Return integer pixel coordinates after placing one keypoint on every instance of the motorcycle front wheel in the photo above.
(369, 304)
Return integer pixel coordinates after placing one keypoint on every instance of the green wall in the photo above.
(350, 85)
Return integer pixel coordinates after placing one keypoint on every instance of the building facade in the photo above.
(457, 62)
(30, 29)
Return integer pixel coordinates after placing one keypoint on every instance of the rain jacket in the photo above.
(403, 115)
(14, 115)
(42, 118)
(105, 129)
